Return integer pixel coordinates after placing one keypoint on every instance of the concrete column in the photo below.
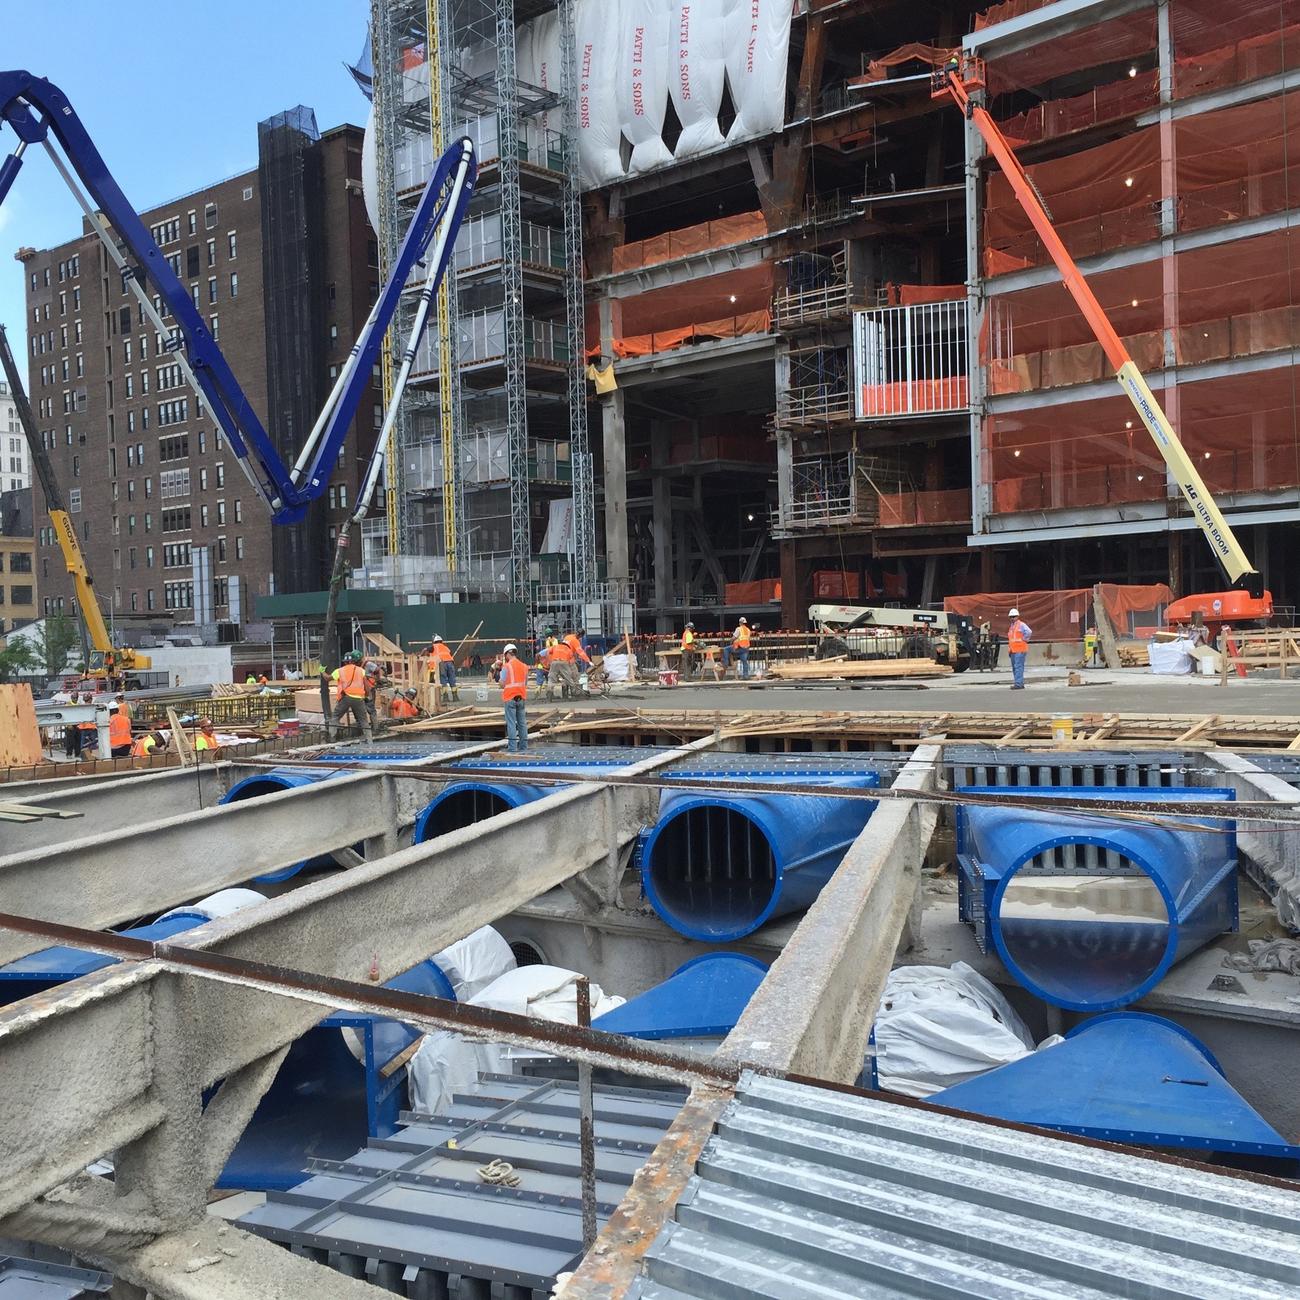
(661, 526)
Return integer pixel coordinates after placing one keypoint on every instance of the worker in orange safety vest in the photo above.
(1018, 635)
(403, 704)
(738, 649)
(561, 671)
(119, 732)
(514, 695)
(352, 695)
(690, 656)
(442, 667)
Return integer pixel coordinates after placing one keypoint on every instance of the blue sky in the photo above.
(171, 94)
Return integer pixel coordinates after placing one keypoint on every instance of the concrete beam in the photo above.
(1272, 856)
(111, 804)
(103, 880)
(813, 1012)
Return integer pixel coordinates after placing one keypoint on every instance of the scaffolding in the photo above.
(507, 359)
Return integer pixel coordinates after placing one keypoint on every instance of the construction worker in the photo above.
(514, 695)
(150, 741)
(402, 704)
(122, 706)
(738, 649)
(1089, 645)
(374, 680)
(580, 656)
(561, 671)
(352, 695)
(206, 737)
(119, 732)
(250, 680)
(88, 733)
(1018, 635)
(442, 667)
(690, 656)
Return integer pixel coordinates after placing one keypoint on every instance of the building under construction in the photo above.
(830, 358)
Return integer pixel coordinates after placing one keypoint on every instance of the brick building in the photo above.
(172, 529)
(17, 569)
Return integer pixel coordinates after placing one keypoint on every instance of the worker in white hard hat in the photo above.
(1018, 634)
(738, 649)
(514, 695)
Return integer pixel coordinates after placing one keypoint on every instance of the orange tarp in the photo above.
(640, 345)
(909, 295)
(1063, 615)
(720, 233)
(900, 509)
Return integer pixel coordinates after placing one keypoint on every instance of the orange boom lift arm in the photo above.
(956, 81)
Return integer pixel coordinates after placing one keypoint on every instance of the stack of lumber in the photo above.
(802, 670)
(1134, 656)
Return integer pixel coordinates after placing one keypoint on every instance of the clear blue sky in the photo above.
(171, 94)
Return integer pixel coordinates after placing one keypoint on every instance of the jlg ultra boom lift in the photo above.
(39, 113)
(1247, 601)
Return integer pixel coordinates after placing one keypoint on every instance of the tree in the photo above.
(19, 658)
(55, 639)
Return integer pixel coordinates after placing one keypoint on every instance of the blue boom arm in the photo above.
(37, 109)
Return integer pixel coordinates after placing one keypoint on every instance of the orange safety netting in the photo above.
(720, 233)
(1064, 615)
(1229, 164)
(1051, 615)
(949, 506)
(1232, 300)
(1128, 41)
(1103, 103)
(878, 69)
(765, 591)
(721, 306)
(1240, 430)
(1008, 9)
(909, 295)
(913, 397)
(1217, 45)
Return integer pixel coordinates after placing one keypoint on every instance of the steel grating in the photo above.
(803, 1192)
(415, 1202)
(989, 765)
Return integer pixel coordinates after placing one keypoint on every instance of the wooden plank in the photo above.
(1105, 631)
(1019, 730)
(20, 737)
(180, 741)
(1197, 729)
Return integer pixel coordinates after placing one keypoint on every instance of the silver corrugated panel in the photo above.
(1285, 767)
(413, 1208)
(35, 1279)
(805, 1193)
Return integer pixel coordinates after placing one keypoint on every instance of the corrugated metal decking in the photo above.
(807, 1193)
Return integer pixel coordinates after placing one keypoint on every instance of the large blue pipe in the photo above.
(1089, 913)
(716, 867)
(272, 782)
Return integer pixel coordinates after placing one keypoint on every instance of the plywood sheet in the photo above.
(20, 738)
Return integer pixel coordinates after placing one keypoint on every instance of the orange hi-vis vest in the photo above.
(119, 730)
(576, 646)
(514, 680)
(401, 708)
(352, 681)
(1017, 642)
(688, 639)
(439, 654)
(741, 636)
(561, 651)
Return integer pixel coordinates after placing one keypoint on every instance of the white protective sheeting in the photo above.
(445, 1062)
(757, 38)
(599, 152)
(643, 81)
(938, 1027)
(1172, 658)
(697, 69)
(222, 903)
(618, 668)
(474, 962)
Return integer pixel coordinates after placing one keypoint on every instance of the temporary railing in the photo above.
(840, 488)
(911, 360)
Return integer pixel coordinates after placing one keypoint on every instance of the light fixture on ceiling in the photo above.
(1016, 452)
(750, 518)
(1128, 182)
(1132, 72)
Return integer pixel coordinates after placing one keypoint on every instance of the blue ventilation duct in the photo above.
(1125, 1077)
(702, 999)
(272, 782)
(716, 867)
(1089, 913)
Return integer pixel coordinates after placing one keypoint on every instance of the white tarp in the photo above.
(599, 151)
(474, 962)
(222, 903)
(938, 1027)
(618, 668)
(1172, 658)
(757, 37)
(697, 71)
(643, 81)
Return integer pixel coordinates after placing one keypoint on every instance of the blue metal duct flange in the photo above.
(1125, 1077)
(716, 867)
(701, 999)
(1089, 913)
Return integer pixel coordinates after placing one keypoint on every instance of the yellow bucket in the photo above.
(1062, 726)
